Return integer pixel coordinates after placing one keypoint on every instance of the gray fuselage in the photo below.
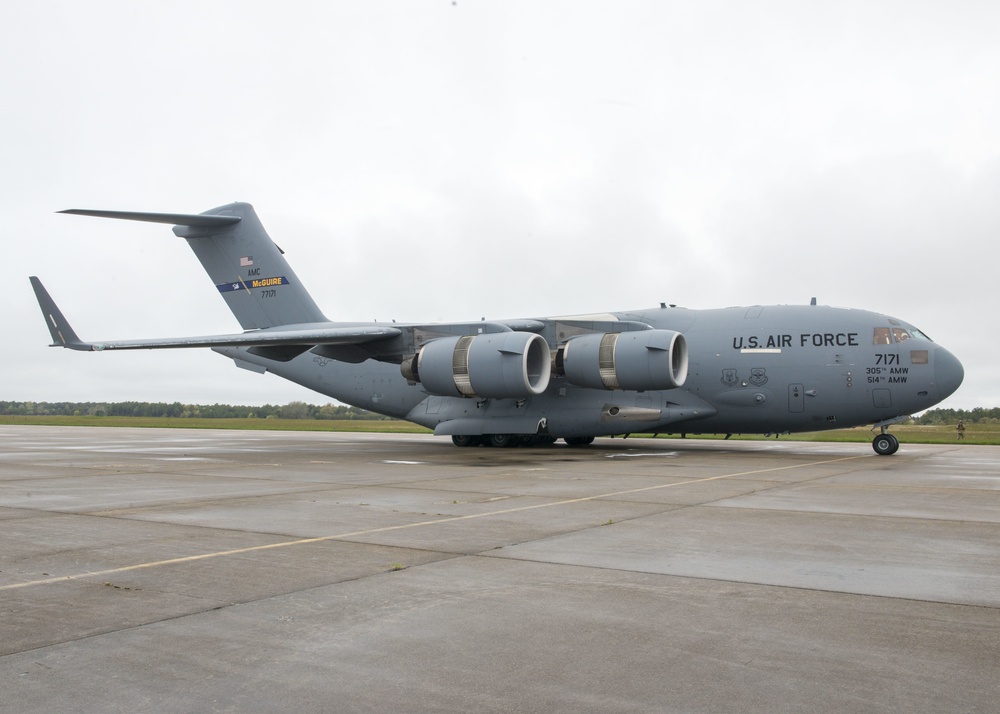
(760, 369)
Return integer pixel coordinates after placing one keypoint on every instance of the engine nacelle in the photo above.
(501, 365)
(639, 360)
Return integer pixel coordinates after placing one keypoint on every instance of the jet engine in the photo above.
(497, 365)
(639, 360)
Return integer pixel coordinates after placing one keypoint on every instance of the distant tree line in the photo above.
(292, 410)
(301, 410)
(979, 415)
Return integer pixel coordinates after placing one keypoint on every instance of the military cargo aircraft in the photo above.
(666, 370)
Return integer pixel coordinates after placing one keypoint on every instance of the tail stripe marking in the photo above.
(255, 283)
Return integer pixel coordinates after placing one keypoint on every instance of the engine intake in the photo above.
(502, 365)
(640, 360)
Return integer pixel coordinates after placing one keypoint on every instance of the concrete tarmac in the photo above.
(187, 570)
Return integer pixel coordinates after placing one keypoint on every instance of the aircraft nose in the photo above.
(948, 372)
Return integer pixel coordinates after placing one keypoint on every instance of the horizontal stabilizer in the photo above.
(174, 219)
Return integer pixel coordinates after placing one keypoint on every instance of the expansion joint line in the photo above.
(404, 526)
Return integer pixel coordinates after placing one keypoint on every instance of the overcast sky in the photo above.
(437, 160)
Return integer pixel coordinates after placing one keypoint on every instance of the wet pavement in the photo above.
(191, 570)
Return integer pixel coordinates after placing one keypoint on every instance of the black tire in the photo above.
(502, 441)
(535, 440)
(885, 444)
(465, 440)
(579, 440)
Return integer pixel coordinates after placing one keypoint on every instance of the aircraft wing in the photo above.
(63, 334)
(257, 338)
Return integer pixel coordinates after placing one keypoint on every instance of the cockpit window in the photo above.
(890, 335)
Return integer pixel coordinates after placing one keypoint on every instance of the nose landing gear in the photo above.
(885, 444)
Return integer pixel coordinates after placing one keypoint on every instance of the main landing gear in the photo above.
(885, 444)
(501, 441)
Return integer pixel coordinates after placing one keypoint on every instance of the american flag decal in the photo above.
(246, 260)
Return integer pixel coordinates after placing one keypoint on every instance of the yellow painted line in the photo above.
(387, 529)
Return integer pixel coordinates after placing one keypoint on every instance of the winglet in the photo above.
(62, 334)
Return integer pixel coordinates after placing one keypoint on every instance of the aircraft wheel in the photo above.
(885, 444)
(502, 440)
(578, 440)
(536, 440)
(464, 440)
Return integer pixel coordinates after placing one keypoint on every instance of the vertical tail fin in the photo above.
(246, 266)
(250, 271)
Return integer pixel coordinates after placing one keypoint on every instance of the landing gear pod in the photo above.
(502, 365)
(641, 360)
